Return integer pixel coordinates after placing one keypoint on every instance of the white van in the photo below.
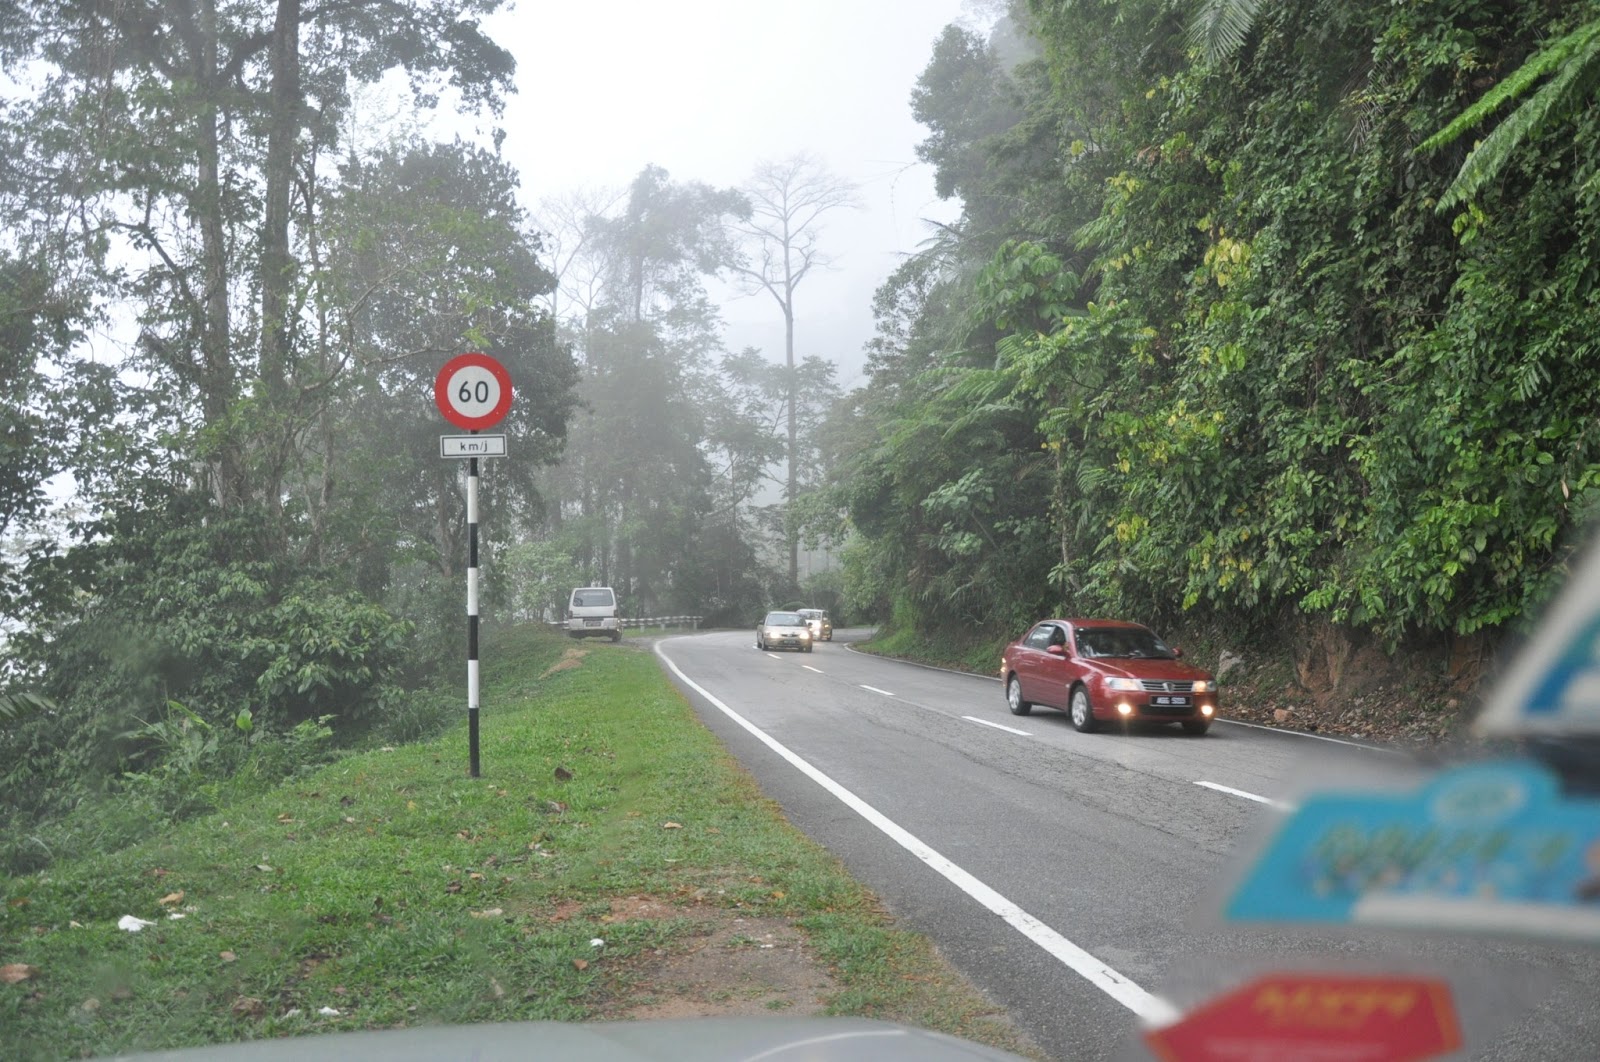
(593, 612)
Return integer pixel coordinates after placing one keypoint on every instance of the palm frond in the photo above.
(1576, 80)
(15, 707)
(1542, 62)
(1219, 27)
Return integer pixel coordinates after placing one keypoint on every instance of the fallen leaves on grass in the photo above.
(132, 924)
(672, 825)
(562, 774)
(171, 898)
(569, 659)
(16, 972)
(581, 964)
(493, 912)
(227, 956)
(248, 1007)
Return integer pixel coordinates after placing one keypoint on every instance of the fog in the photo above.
(707, 88)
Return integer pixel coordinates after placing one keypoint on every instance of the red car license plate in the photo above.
(1171, 702)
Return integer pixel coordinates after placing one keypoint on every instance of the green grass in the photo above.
(371, 886)
(960, 651)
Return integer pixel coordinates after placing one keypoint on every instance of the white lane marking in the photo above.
(1319, 737)
(997, 726)
(875, 689)
(1230, 790)
(1153, 1009)
(808, 667)
(775, 656)
(1232, 722)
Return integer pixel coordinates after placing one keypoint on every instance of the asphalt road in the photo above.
(1073, 877)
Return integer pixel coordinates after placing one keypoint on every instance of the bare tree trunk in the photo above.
(790, 489)
(788, 199)
(277, 267)
(217, 375)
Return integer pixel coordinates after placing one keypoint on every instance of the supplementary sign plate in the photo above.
(472, 446)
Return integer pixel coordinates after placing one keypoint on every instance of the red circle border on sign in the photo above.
(441, 396)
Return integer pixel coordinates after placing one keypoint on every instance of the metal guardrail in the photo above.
(641, 622)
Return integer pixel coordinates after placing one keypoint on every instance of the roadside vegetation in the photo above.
(1240, 335)
(610, 849)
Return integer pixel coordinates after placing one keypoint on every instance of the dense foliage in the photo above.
(224, 296)
(1208, 339)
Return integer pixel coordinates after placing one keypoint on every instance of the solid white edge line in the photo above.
(808, 667)
(997, 726)
(875, 689)
(1363, 746)
(1152, 1009)
(1280, 804)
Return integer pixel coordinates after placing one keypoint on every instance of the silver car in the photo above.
(784, 630)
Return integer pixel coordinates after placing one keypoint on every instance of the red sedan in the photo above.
(1106, 670)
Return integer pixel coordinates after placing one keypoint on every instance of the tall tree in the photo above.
(179, 143)
(636, 485)
(788, 201)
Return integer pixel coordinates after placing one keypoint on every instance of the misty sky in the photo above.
(706, 88)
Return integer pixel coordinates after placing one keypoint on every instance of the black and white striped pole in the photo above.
(473, 391)
(472, 616)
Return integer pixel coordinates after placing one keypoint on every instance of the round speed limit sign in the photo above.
(473, 391)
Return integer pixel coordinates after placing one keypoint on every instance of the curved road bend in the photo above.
(1064, 873)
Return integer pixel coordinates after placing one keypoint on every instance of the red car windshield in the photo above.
(1131, 642)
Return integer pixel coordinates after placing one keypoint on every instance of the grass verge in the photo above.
(960, 651)
(389, 889)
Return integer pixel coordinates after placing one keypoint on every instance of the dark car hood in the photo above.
(699, 1040)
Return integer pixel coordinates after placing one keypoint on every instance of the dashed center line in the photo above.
(808, 667)
(875, 689)
(997, 726)
(1231, 791)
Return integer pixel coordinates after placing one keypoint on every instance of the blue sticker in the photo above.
(1482, 848)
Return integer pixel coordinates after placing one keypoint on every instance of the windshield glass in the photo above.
(592, 598)
(784, 619)
(1134, 642)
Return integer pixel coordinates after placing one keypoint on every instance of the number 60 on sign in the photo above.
(473, 391)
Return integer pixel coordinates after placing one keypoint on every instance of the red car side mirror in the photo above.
(1177, 651)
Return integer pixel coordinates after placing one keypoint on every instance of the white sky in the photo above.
(706, 89)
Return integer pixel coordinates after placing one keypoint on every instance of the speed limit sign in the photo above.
(473, 391)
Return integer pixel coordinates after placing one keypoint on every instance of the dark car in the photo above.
(1106, 670)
